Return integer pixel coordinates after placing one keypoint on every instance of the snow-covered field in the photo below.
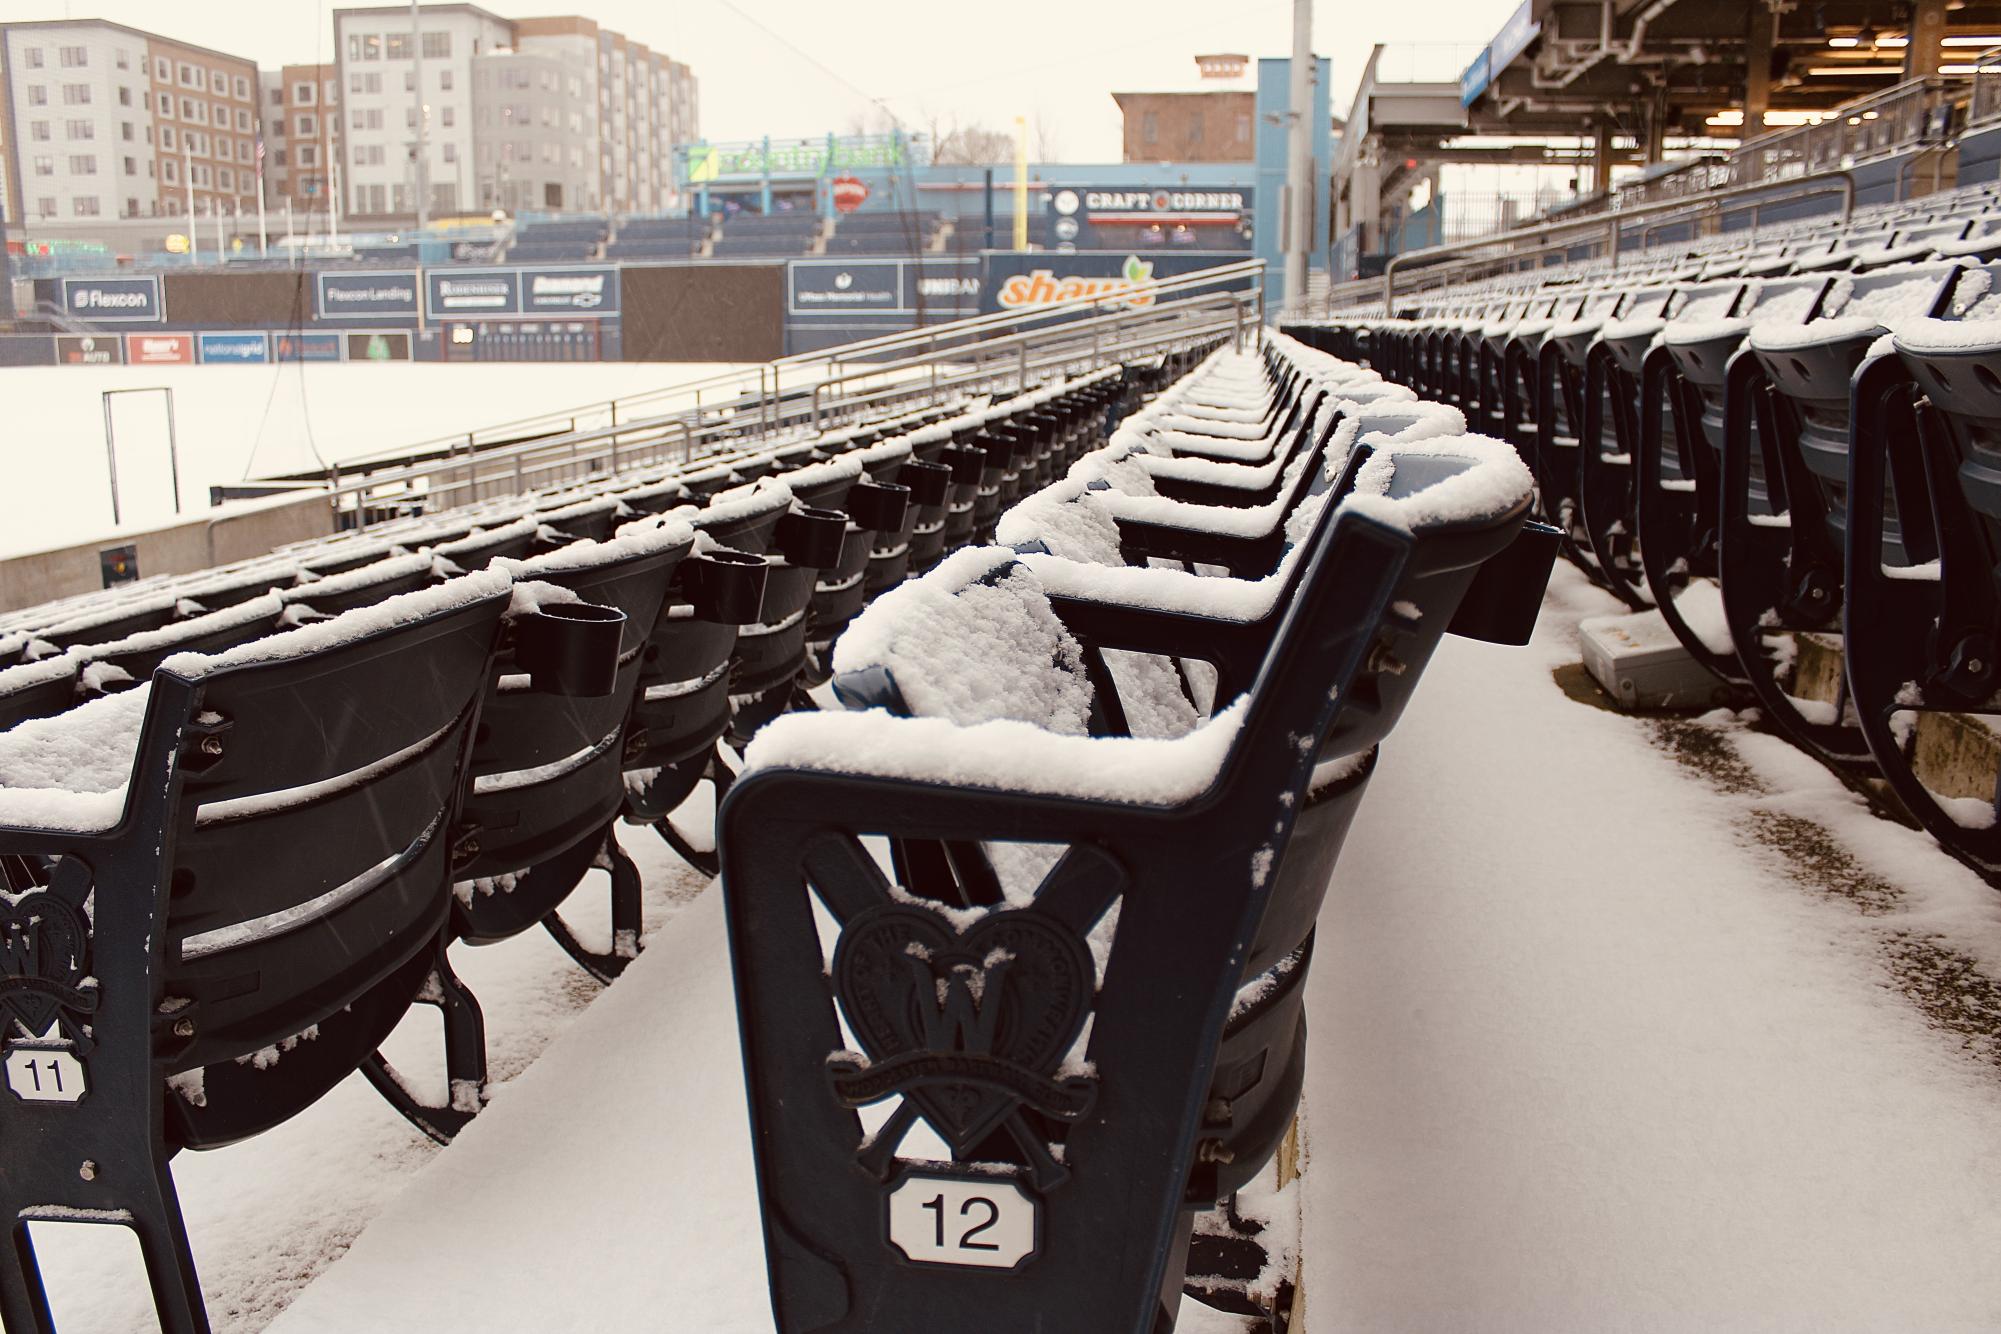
(1617, 1024)
(233, 422)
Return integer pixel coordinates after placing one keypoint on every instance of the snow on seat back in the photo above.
(1440, 483)
(972, 641)
(69, 772)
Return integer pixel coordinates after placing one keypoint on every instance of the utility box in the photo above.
(1641, 665)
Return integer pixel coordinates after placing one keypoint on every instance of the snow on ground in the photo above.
(233, 422)
(1593, 1047)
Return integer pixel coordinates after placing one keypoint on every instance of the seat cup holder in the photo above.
(928, 482)
(570, 648)
(967, 462)
(877, 507)
(725, 587)
(811, 537)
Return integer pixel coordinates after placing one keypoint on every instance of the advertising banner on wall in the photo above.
(109, 300)
(306, 346)
(159, 349)
(816, 287)
(468, 293)
(366, 296)
(574, 293)
(1077, 210)
(379, 345)
(1016, 281)
(251, 348)
(89, 350)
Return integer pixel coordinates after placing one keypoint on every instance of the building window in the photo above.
(45, 166)
(79, 129)
(124, 60)
(366, 118)
(221, 115)
(451, 152)
(170, 171)
(39, 129)
(131, 166)
(278, 95)
(163, 69)
(76, 94)
(278, 128)
(190, 77)
(166, 104)
(167, 137)
(226, 178)
(199, 174)
(1149, 128)
(364, 46)
(409, 81)
(75, 57)
(309, 126)
(84, 206)
(437, 46)
(35, 62)
(446, 117)
(45, 206)
(396, 46)
(283, 159)
(218, 82)
(302, 94)
(82, 164)
(124, 97)
(242, 121)
(125, 130)
(445, 80)
(242, 88)
(38, 96)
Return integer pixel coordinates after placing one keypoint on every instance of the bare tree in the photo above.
(1045, 140)
(970, 145)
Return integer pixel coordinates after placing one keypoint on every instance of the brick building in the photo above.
(1189, 127)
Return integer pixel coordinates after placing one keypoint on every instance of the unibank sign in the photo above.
(108, 300)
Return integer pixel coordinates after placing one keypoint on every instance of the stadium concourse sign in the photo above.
(366, 296)
(135, 300)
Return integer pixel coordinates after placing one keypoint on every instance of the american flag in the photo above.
(260, 157)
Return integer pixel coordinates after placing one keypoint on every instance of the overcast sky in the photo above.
(803, 67)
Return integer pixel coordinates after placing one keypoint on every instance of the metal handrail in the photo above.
(760, 379)
(1613, 224)
(999, 349)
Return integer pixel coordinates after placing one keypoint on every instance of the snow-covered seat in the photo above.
(1089, 988)
(1776, 580)
(1923, 611)
(223, 889)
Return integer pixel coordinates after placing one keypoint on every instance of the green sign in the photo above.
(791, 157)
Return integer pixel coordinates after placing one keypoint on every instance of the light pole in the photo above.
(1299, 156)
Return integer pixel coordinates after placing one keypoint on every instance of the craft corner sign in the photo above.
(134, 300)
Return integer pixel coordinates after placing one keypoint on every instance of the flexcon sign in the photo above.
(109, 300)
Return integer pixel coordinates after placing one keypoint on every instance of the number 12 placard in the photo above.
(981, 1222)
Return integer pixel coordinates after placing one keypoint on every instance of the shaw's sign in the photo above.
(1131, 286)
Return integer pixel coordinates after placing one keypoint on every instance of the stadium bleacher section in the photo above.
(1780, 445)
(244, 813)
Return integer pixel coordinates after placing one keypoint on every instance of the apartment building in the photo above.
(536, 113)
(106, 121)
(302, 135)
